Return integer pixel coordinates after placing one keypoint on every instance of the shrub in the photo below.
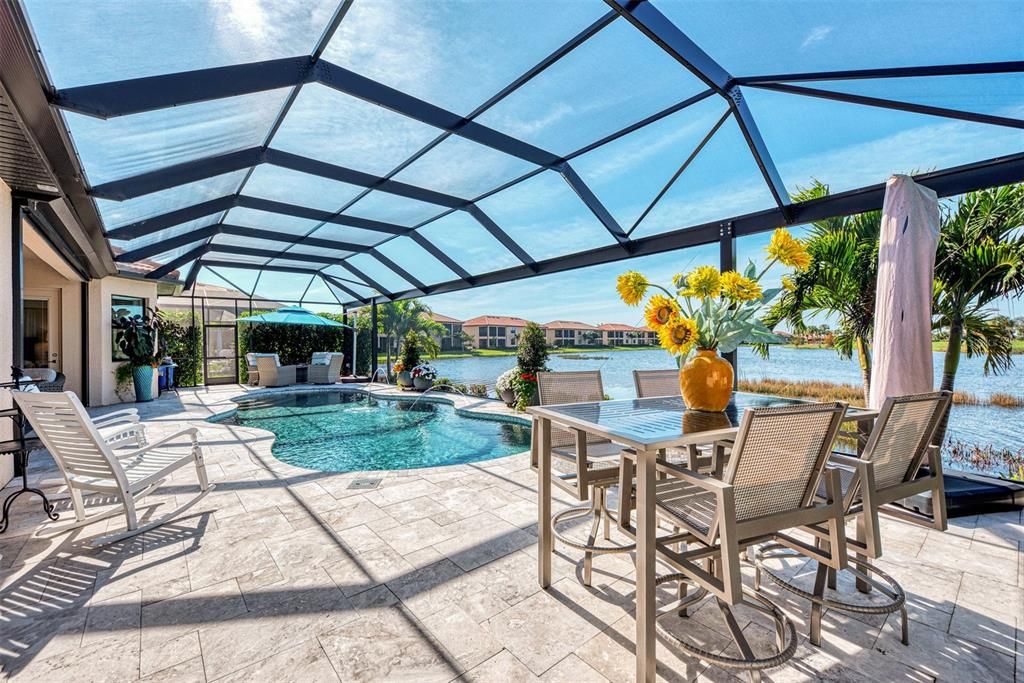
(410, 351)
(184, 344)
(292, 343)
(478, 390)
(1006, 463)
(532, 349)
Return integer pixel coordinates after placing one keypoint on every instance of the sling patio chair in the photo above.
(889, 470)
(89, 464)
(584, 465)
(769, 486)
(272, 373)
(650, 383)
(325, 367)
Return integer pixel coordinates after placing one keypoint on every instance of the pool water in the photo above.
(334, 431)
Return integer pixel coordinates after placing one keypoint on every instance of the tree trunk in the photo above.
(950, 364)
(864, 357)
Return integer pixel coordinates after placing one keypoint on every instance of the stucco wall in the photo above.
(102, 385)
(6, 322)
(41, 279)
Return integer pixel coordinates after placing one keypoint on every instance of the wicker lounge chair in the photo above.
(325, 367)
(89, 464)
(272, 373)
(585, 466)
(888, 471)
(769, 486)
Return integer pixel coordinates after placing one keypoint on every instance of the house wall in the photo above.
(6, 322)
(102, 383)
(42, 279)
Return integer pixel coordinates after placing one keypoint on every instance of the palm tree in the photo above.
(839, 283)
(980, 258)
(398, 318)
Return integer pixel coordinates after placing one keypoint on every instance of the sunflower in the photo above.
(788, 250)
(788, 283)
(631, 286)
(678, 336)
(703, 282)
(660, 309)
(739, 288)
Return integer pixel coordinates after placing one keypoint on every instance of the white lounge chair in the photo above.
(89, 464)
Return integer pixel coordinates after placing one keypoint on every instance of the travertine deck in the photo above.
(285, 574)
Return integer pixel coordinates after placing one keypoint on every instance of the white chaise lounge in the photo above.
(90, 465)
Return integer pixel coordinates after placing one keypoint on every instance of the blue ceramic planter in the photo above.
(142, 376)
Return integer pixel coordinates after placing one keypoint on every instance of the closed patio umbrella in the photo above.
(292, 315)
(902, 342)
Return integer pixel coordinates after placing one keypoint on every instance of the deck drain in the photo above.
(364, 483)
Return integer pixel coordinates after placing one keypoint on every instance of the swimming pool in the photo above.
(333, 431)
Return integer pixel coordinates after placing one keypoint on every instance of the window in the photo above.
(123, 307)
(482, 332)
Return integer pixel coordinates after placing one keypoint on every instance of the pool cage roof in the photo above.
(370, 150)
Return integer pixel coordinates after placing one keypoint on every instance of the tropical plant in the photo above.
(399, 318)
(524, 386)
(710, 310)
(980, 258)
(840, 283)
(138, 337)
(532, 349)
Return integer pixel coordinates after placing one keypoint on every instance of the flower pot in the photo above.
(422, 384)
(508, 397)
(706, 382)
(142, 378)
(405, 379)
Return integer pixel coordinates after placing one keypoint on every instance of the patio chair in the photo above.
(778, 461)
(651, 383)
(888, 471)
(272, 373)
(584, 465)
(118, 428)
(325, 367)
(89, 464)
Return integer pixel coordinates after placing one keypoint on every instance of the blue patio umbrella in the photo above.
(292, 315)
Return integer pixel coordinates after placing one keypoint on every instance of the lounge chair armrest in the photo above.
(103, 422)
(117, 414)
(848, 461)
(696, 478)
(192, 432)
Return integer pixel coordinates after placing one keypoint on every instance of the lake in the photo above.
(1000, 427)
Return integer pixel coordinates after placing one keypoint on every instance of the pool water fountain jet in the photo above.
(448, 389)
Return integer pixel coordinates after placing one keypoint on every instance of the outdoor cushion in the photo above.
(41, 374)
(321, 358)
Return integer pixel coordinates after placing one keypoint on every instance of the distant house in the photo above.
(571, 333)
(451, 340)
(619, 334)
(494, 331)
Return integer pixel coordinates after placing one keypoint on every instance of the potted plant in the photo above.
(138, 337)
(503, 386)
(710, 313)
(410, 359)
(423, 376)
(532, 356)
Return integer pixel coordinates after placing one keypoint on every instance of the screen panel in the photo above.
(463, 168)
(293, 187)
(415, 259)
(468, 243)
(116, 214)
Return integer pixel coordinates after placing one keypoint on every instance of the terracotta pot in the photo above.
(706, 382)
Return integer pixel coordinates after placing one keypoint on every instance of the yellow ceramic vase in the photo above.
(706, 382)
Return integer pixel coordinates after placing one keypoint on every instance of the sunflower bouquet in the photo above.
(710, 310)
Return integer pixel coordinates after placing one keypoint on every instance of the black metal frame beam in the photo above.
(500, 235)
(976, 69)
(260, 234)
(160, 247)
(948, 182)
(172, 265)
(209, 167)
(897, 105)
(402, 272)
(213, 247)
(658, 28)
(178, 216)
(591, 201)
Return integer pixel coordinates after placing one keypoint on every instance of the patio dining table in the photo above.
(645, 425)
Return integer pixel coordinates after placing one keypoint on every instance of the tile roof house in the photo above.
(494, 331)
(571, 333)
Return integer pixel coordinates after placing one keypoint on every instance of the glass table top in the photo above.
(662, 420)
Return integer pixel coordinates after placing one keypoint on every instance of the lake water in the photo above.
(1000, 427)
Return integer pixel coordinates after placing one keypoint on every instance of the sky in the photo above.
(456, 54)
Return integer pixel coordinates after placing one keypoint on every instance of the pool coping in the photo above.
(475, 407)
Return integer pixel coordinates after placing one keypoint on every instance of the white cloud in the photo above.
(815, 36)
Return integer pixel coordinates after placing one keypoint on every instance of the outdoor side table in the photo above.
(646, 425)
(301, 374)
(19, 447)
